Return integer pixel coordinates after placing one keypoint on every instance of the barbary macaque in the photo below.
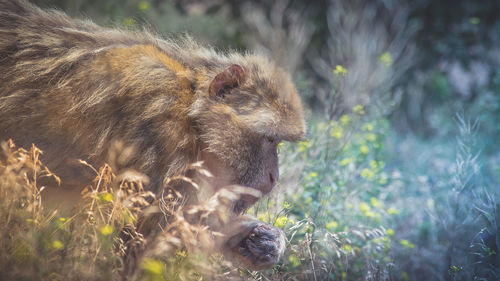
(72, 88)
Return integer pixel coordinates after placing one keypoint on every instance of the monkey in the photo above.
(71, 87)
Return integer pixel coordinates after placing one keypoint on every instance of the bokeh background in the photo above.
(398, 177)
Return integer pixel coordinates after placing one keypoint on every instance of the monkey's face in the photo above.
(256, 168)
(242, 116)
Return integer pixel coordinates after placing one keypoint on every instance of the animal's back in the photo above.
(71, 87)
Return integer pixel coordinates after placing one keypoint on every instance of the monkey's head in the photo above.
(243, 111)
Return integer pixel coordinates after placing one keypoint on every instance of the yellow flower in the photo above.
(364, 149)
(386, 59)
(392, 211)
(332, 225)
(359, 109)
(337, 132)
(346, 161)
(152, 266)
(340, 70)
(128, 21)
(389, 232)
(382, 180)
(61, 222)
(264, 217)
(367, 174)
(374, 201)
(106, 230)
(144, 6)
(370, 214)
(181, 253)
(281, 222)
(347, 247)
(106, 197)
(380, 240)
(371, 137)
(367, 127)
(405, 243)
(364, 207)
(286, 205)
(57, 245)
(312, 175)
(344, 119)
(293, 260)
(303, 145)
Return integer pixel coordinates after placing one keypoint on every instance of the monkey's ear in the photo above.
(230, 78)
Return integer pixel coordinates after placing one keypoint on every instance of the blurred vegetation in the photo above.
(398, 176)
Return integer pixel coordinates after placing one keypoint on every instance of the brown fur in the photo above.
(72, 88)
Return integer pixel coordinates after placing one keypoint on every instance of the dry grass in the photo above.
(120, 230)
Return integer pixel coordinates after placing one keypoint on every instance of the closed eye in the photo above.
(272, 140)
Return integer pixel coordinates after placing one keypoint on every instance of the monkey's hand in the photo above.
(256, 245)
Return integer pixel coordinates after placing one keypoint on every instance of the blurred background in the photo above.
(398, 177)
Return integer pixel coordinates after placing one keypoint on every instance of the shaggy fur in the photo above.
(72, 88)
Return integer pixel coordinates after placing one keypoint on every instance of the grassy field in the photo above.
(352, 207)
